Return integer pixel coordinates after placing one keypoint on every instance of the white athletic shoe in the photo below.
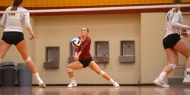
(42, 85)
(115, 84)
(161, 83)
(72, 84)
(187, 77)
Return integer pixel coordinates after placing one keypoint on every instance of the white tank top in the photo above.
(174, 22)
(15, 22)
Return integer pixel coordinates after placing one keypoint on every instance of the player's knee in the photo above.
(28, 59)
(102, 73)
(69, 69)
(172, 65)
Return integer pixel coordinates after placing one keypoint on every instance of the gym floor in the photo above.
(94, 90)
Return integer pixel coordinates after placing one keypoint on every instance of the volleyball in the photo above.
(76, 42)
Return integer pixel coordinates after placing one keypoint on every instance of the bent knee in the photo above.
(174, 62)
(102, 73)
(173, 65)
(28, 59)
(69, 69)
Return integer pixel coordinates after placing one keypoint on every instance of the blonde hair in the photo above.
(86, 29)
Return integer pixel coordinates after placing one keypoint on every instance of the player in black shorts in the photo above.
(12, 24)
(173, 43)
(84, 59)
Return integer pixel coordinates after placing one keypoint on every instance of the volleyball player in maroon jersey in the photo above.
(84, 59)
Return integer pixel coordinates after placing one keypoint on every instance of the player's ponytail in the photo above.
(16, 4)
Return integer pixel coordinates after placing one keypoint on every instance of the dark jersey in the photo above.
(85, 49)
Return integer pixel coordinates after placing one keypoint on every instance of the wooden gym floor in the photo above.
(94, 90)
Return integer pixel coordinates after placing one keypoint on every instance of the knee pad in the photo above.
(28, 59)
(102, 73)
(69, 70)
(173, 66)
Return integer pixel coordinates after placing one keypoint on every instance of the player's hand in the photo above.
(76, 58)
(32, 36)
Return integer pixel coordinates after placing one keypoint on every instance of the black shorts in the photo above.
(171, 40)
(86, 62)
(12, 37)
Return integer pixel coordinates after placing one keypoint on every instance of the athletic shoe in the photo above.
(42, 85)
(72, 84)
(115, 84)
(187, 77)
(161, 83)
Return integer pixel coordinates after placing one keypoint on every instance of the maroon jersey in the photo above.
(85, 49)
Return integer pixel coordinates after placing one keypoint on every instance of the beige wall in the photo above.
(146, 29)
(152, 53)
(112, 28)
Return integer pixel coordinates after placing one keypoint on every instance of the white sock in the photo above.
(37, 77)
(162, 75)
(73, 80)
(112, 80)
